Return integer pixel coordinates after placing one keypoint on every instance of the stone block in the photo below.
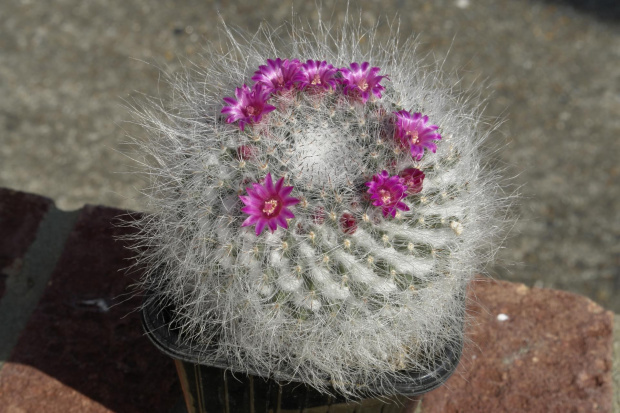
(85, 335)
(530, 350)
(82, 349)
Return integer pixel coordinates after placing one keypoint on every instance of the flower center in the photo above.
(385, 196)
(280, 80)
(412, 135)
(363, 85)
(316, 80)
(251, 110)
(270, 207)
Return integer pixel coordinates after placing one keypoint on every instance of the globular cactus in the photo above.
(324, 221)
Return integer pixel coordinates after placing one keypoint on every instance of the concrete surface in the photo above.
(552, 69)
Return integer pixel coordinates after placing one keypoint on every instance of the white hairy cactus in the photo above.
(350, 286)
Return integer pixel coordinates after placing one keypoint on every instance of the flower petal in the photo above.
(286, 191)
(250, 220)
(260, 225)
(262, 192)
(279, 185)
(269, 183)
(273, 224)
(282, 222)
(286, 213)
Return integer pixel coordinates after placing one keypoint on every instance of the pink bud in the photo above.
(348, 223)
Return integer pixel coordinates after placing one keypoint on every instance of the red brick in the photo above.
(28, 387)
(86, 335)
(552, 354)
(79, 351)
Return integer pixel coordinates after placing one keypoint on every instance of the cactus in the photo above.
(324, 221)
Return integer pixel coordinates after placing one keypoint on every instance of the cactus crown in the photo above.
(324, 221)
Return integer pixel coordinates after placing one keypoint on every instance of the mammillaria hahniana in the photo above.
(325, 220)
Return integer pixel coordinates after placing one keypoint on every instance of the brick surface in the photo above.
(20, 216)
(531, 350)
(31, 390)
(83, 349)
(85, 337)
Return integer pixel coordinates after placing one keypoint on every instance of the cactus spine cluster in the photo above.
(350, 290)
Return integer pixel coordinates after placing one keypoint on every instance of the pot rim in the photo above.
(167, 341)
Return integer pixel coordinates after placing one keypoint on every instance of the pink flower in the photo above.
(268, 205)
(361, 81)
(279, 75)
(413, 132)
(250, 105)
(387, 192)
(317, 74)
(412, 178)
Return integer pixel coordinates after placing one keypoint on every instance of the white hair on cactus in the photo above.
(323, 160)
(345, 295)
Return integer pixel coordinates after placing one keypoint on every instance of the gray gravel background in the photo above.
(552, 71)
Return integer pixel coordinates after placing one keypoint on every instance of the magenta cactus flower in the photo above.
(388, 192)
(361, 80)
(414, 133)
(412, 178)
(250, 105)
(279, 75)
(318, 74)
(268, 205)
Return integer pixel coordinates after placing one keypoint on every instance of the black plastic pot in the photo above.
(220, 387)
